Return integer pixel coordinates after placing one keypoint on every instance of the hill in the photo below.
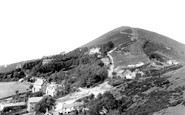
(155, 63)
(145, 71)
(123, 35)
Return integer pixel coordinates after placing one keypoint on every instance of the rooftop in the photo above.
(34, 99)
(38, 81)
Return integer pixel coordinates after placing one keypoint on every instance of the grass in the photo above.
(115, 36)
(8, 88)
(135, 56)
(121, 60)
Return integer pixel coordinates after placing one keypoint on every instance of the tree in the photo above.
(31, 86)
(104, 48)
(47, 102)
(16, 95)
(17, 92)
(103, 102)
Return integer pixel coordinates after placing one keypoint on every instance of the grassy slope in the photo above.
(178, 48)
(9, 88)
(111, 35)
(176, 110)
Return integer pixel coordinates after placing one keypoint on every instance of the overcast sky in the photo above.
(31, 29)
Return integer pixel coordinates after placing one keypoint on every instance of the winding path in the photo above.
(111, 69)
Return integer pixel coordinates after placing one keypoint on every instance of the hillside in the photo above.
(10, 67)
(161, 84)
(145, 71)
(123, 35)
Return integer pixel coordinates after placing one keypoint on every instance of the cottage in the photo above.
(51, 89)
(106, 61)
(172, 62)
(104, 111)
(130, 75)
(38, 84)
(46, 61)
(94, 50)
(67, 108)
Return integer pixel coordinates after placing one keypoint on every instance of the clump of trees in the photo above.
(46, 103)
(60, 62)
(150, 47)
(104, 48)
(105, 101)
(13, 75)
(90, 75)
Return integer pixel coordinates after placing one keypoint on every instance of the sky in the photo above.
(30, 29)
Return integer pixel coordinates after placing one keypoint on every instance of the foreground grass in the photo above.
(8, 88)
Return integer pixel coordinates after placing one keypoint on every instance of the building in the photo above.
(172, 62)
(67, 108)
(94, 50)
(104, 111)
(132, 75)
(38, 85)
(51, 112)
(51, 89)
(46, 61)
(129, 75)
(32, 102)
(106, 61)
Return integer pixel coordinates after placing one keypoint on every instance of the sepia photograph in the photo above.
(92, 57)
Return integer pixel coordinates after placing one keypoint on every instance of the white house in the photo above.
(37, 85)
(67, 108)
(106, 61)
(94, 50)
(130, 75)
(51, 89)
(46, 61)
(172, 62)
